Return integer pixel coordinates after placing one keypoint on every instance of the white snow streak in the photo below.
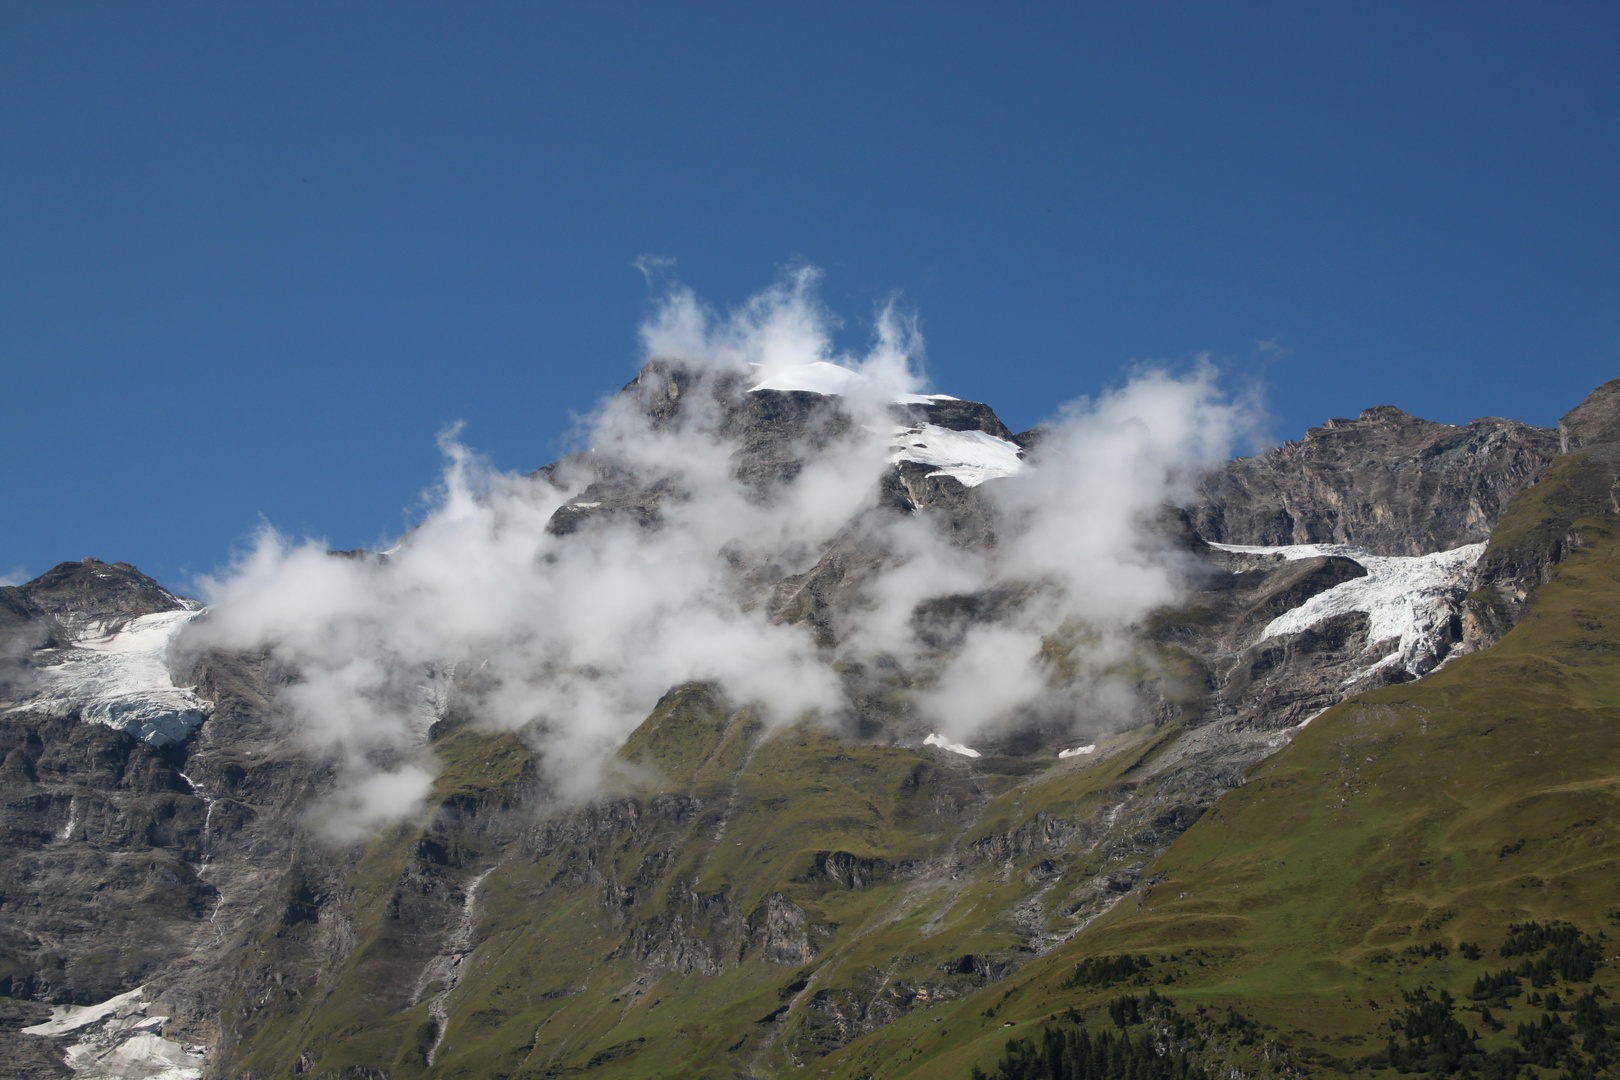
(1077, 751)
(954, 747)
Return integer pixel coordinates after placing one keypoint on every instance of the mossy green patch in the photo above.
(632, 942)
(1575, 487)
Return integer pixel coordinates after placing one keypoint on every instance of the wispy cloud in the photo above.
(573, 638)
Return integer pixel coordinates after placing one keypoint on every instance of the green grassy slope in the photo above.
(893, 855)
(1443, 811)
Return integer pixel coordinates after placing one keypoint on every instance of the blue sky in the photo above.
(253, 257)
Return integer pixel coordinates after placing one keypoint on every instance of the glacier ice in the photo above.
(122, 679)
(1408, 599)
(117, 1040)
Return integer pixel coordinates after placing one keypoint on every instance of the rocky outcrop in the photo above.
(1386, 481)
(1541, 525)
(94, 596)
(1593, 426)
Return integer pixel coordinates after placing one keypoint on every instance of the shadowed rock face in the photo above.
(804, 881)
(1387, 482)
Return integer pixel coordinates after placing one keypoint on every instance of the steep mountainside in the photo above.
(869, 897)
(1423, 880)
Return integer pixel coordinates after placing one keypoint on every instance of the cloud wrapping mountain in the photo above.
(572, 637)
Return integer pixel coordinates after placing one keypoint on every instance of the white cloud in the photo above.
(572, 639)
(374, 800)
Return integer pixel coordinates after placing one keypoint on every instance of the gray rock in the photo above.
(1387, 482)
(1541, 527)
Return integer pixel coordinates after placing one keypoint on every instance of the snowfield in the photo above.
(833, 380)
(1409, 598)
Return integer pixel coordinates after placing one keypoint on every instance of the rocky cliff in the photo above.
(1386, 481)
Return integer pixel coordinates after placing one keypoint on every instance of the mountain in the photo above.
(1368, 741)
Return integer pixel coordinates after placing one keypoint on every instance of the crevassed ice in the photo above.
(117, 1040)
(1407, 597)
(122, 680)
(971, 456)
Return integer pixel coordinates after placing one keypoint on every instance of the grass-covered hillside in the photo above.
(1426, 880)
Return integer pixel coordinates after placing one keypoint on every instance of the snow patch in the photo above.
(970, 456)
(832, 380)
(121, 679)
(117, 1040)
(954, 747)
(1309, 718)
(1411, 599)
(1077, 751)
(66, 1018)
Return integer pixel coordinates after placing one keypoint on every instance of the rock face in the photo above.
(1541, 526)
(131, 862)
(80, 596)
(749, 900)
(1387, 482)
(1593, 426)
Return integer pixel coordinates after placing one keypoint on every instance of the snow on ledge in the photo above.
(954, 747)
(1411, 599)
(970, 456)
(832, 380)
(1078, 751)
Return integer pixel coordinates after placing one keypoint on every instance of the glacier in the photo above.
(121, 678)
(1408, 599)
